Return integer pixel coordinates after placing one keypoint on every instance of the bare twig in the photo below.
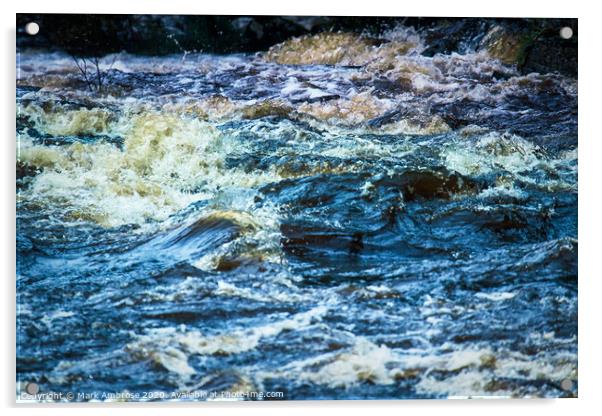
(83, 69)
(94, 65)
(108, 71)
(98, 76)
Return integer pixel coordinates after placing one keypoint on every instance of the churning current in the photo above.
(332, 218)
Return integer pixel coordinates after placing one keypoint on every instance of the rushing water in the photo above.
(339, 220)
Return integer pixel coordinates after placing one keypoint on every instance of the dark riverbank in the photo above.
(534, 45)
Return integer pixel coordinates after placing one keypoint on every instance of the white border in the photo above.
(590, 137)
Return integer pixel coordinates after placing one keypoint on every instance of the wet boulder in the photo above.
(534, 45)
(448, 35)
(507, 44)
(426, 184)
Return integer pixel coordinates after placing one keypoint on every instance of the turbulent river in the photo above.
(337, 219)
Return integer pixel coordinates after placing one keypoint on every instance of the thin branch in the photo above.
(98, 76)
(83, 71)
(87, 66)
(107, 73)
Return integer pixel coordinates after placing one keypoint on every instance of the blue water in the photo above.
(225, 223)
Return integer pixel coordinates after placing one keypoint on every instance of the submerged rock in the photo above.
(25, 170)
(507, 45)
(534, 45)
